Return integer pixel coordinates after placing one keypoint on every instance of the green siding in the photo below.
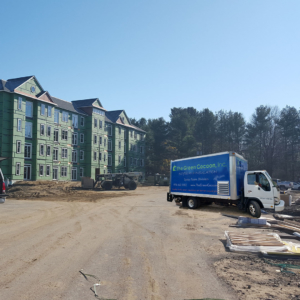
(9, 136)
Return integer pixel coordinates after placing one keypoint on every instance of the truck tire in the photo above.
(132, 185)
(192, 203)
(254, 209)
(107, 185)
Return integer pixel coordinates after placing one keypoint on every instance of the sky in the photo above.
(149, 56)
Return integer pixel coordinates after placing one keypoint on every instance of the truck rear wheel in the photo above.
(254, 209)
(132, 185)
(192, 203)
(107, 185)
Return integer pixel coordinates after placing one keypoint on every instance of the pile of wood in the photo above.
(255, 239)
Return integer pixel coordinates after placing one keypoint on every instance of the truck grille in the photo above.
(223, 187)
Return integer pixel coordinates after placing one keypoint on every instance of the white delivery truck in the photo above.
(222, 178)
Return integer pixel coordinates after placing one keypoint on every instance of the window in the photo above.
(124, 147)
(43, 106)
(95, 155)
(63, 171)
(42, 130)
(135, 135)
(100, 124)
(42, 148)
(56, 116)
(19, 125)
(75, 121)
(48, 152)
(142, 137)
(18, 168)
(100, 156)
(109, 160)
(131, 133)
(65, 116)
(119, 159)
(263, 182)
(95, 123)
(81, 155)
(74, 139)
(64, 135)
(47, 170)
(120, 130)
(119, 144)
(98, 111)
(135, 161)
(104, 157)
(41, 170)
(27, 150)
(18, 146)
(28, 130)
(49, 111)
(74, 173)
(81, 172)
(81, 138)
(100, 140)
(20, 103)
(95, 139)
(28, 109)
(109, 130)
(82, 121)
(64, 153)
(143, 163)
(125, 134)
(55, 173)
(55, 154)
(48, 130)
(74, 156)
(104, 142)
(55, 135)
(124, 161)
(109, 146)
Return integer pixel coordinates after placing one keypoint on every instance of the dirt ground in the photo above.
(60, 191)
(135, 242)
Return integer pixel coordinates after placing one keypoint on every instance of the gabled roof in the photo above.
(114, 115)
(12, 84)
(66, 105)
(87, 103)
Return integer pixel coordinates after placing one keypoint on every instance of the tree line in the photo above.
(269, 141)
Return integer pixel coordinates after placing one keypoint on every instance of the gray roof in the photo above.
(85, 102)
(12, 84)
(113, 115)
(66, 105)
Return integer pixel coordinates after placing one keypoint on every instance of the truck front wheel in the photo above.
(254, 209)
(192, 203)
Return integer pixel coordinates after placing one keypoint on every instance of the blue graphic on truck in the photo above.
(199, 175)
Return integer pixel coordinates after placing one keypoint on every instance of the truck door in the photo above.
(258, 186)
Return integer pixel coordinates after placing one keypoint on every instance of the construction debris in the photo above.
(255, 242)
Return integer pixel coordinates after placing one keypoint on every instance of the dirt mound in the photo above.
(59, 191)
(253, 278)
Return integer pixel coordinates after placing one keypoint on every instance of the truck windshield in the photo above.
(269, 177)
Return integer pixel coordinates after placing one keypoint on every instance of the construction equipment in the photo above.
(107, 181)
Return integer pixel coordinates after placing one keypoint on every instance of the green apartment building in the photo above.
(47, 138)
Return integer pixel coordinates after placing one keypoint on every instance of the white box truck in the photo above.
(222, 178)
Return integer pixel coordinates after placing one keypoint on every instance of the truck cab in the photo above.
(259, 188)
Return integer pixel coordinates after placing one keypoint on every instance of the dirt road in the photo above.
(139, 246)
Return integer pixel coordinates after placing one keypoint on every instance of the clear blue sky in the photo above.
(149, 56)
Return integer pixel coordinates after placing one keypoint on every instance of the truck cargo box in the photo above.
(217, 175)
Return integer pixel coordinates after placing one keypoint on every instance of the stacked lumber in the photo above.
(255, 239)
